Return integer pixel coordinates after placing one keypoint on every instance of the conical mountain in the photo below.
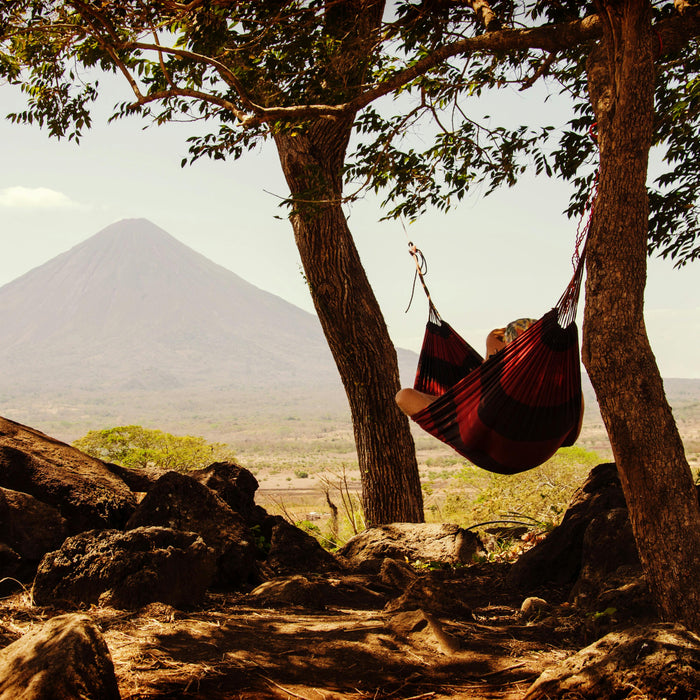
(132, 308)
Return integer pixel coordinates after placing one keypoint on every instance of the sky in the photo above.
(490, 260)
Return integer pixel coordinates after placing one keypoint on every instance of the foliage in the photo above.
(464, 153)
(262, 543)
(538, 497)
(137, 447)
(253, 69)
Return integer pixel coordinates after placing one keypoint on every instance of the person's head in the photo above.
(516, 328)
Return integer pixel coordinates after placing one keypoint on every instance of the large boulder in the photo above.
(180, 502)
(557, 560)
(30, 528)
(433, 542)
(294, 551)
(65, 659)
(611, 576)
(236, 486)
(81, 488)
(127, 569)
(655, 661)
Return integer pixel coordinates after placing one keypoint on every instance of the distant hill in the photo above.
(133, 309)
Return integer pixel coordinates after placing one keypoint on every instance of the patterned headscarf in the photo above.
(516, 328)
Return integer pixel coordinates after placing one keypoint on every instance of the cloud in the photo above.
(35, 198)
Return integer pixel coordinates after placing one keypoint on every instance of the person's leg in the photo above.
(411, 401)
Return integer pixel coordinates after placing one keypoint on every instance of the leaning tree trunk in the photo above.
(351, 320)
(655, 476)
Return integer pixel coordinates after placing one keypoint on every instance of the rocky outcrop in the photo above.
(66, 658)
(81, 488)
(127, 569)
(139, 480)
(31, 528)
(294, 551)
(437, 542)
(611, 576)
(236, 486)
(655, 661)
(180, 502)
(557, 560)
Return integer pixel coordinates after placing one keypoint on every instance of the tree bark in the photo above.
(352, 321)
(654, 472)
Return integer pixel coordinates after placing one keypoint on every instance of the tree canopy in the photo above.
(257, 68)
(137, 447)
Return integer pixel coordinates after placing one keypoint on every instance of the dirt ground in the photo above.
(231, 649)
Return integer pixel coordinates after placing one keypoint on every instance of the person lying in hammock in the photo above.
(411, 401)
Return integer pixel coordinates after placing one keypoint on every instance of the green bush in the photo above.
(137, 447)
(539, 496)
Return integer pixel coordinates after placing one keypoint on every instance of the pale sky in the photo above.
(491, 260)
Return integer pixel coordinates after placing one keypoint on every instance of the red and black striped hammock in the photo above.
(513, 411)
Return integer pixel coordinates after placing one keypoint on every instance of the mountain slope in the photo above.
(133, 308)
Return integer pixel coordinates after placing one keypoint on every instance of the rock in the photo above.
(397, 574)
(65, 659)
(139, 480)
(422, 628)
(294, 551)
(412, 542)
(611, 576)
(10, 565)
(655, 661)
(626, 597)
(182, 503)
(81, 488)
(127, 569)
(533, 607)
(558, 558)
(236, 486)
(30, 528)
(407, 622)
(433, 595)
(315, 593)
(608, 544)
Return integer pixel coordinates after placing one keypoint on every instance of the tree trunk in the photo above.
(352, 321)
(655, 476)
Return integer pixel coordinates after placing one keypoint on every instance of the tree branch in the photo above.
(548, 37)
(226, 74)
(542, 69)
(163, 67)
(485, 14)
(673, 33)
(245, 120)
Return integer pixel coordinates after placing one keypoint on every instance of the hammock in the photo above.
(515, 410)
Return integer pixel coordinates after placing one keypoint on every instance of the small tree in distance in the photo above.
(137, 447)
